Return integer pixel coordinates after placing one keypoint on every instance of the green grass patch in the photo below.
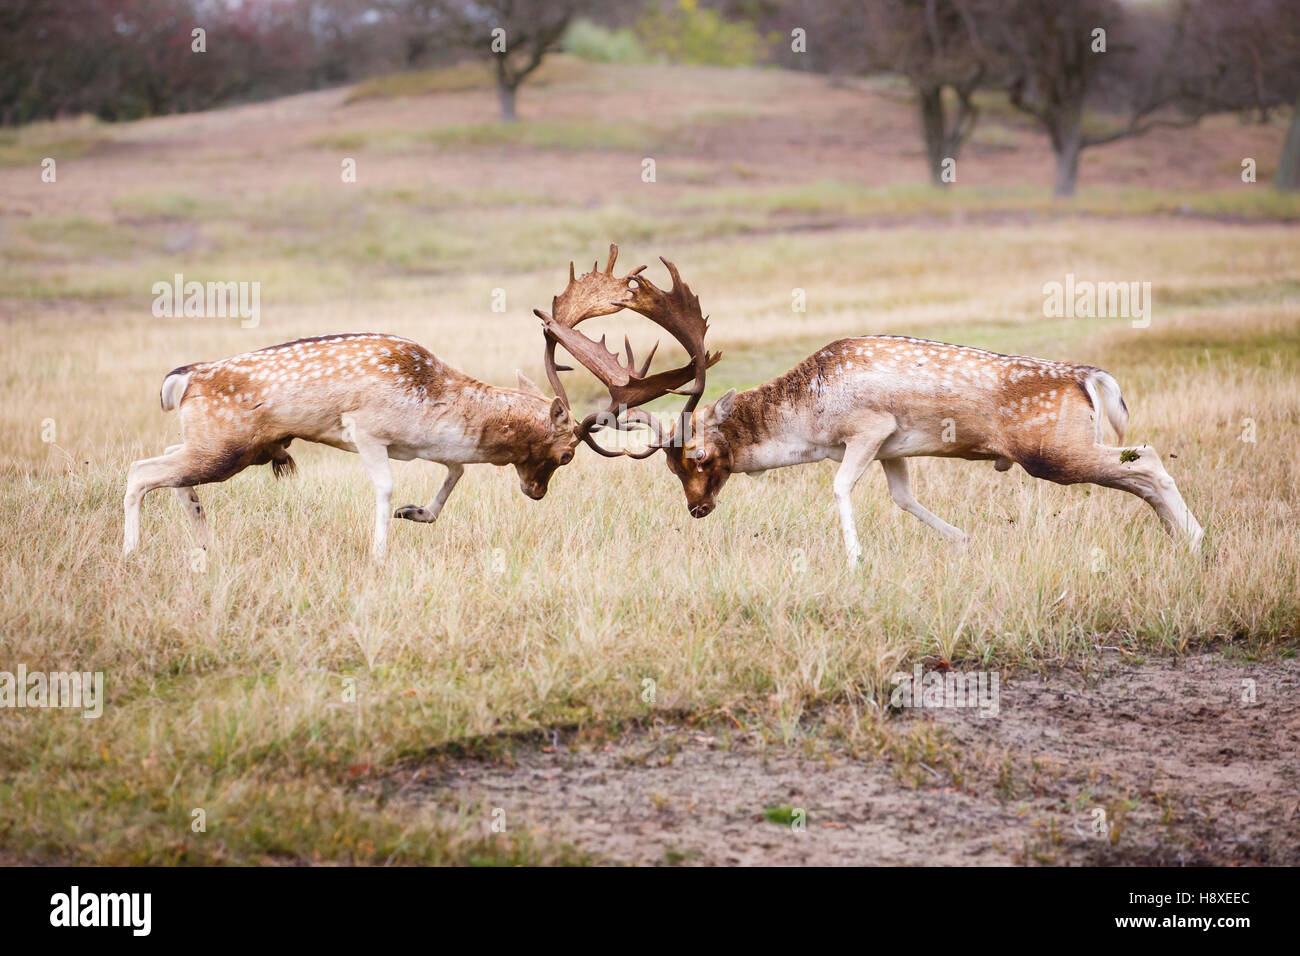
(165, 204)
(347, 141)
(555, 135)
(58, 139)
(463, 78)
(835, 198)
(1182, 347)
(782, 815)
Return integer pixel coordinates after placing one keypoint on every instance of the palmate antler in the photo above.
(602, 293)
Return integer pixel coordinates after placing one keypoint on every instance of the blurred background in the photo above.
(1082, 74)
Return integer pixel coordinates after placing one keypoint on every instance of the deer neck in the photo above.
(504, 424)
(764, 432)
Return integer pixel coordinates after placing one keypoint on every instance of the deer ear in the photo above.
(722, 407)
(526, 384)
(559, 414)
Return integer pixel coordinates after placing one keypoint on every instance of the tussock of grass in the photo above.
(994, 138)
(547, 135)
(168, 204)
(76, 238)
(354, 140)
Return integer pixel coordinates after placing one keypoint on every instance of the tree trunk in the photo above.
(1067, 171)
(930, 99)
(1067, 143)
(507, 84)
(1288, 165)
(506, 93)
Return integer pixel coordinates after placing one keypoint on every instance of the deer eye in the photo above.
(566, 458)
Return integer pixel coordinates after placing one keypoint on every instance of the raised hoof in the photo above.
(413, 513)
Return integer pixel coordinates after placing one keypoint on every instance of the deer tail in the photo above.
(174, 386)
(1104, 391)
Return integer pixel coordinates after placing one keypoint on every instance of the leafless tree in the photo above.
(516, 34)
(934, 44)
(1248, 54)
(1061, 59)
(121, 59)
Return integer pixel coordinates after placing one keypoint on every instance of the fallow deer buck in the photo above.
(381, 396)
(890, 398)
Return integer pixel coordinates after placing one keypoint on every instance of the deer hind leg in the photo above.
(374, 455)
(430, 513)
(189, 500)
(900, 489)
(180, 468)
(1145, 476)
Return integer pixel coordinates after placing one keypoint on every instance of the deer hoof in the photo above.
(413, 513)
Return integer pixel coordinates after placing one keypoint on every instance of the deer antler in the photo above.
(678, 311)
(602, 293)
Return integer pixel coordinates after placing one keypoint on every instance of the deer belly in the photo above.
(909, 441)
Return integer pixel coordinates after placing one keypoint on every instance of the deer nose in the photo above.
(701, 510)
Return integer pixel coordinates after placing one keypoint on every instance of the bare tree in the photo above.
(517, 34)
(1249, 54)
(1062, 58)
(121, 59)
(934, 44)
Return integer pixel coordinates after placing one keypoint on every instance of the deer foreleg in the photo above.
(375, 458)
(858, 454)
(431, 512)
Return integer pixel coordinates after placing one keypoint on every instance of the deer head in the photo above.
(702, 461)
(552, 446)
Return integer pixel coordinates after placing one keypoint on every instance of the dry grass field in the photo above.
(319, 708)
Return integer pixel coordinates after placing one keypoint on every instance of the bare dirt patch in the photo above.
(1185, 770)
